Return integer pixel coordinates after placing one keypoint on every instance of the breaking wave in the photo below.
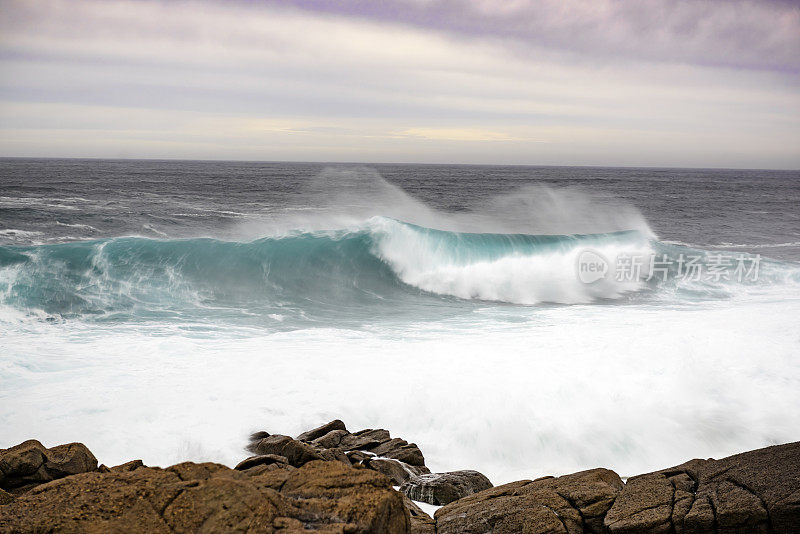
(309, 275)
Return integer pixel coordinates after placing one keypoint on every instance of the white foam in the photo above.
(633, 388)
(13, 233)
(424, 262)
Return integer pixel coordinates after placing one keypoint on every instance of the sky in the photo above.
(673, 83)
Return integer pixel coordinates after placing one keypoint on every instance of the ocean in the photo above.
(521, 321)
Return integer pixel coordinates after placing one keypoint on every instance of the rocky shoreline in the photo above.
(331, 480)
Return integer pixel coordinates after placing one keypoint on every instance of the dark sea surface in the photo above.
(755, 210)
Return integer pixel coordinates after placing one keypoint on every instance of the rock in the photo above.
(396, 470)
(5, 497)
(334, 454)
(443, 488)
(256, 436)
(409, 454)
(330, 440)
(757, 491)
(421, 523)
(128, 466)
(359, 496)
(263, 459)
(358, 456)
(296, 452)
(574, 504)
(388, 446)
(326, 497)
(365, 439)
(320, 431)
(30, 463)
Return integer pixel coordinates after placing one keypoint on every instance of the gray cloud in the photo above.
(760, 34)
(241, 80)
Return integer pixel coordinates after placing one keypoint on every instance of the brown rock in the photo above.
(334, 454)
(409, 454)
(30, 463)
(333, 492)
(263, 459)
(421, 523)
(331, 439)
(128, 466)
(397, 471)
(5, 497)
(386, 447)
(443, 488)
(365, 439)
(69, 459)
(757, 491)
(573, 504)
(327, 497)
(296, 452)
(320, 431)
(358, 456)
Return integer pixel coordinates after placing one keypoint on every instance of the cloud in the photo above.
(200, 79)
(759, 34)
(461, 134)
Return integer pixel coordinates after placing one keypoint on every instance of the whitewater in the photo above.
(168, 318)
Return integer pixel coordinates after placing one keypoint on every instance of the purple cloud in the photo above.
(754, 34)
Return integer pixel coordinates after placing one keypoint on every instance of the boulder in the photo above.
(358, 456)
(386, 447)
(365, 439)
(296, 452)
(396, 470)
(409, 454)
(398, 459)
(443, 488)
(326, 497)
(5, 497)
(320, 431)
(574, 504)
(263, 459)
(334, 454)
(421, 523)
(331, 492)
(30, 463)
(331, 439)
(756, 491)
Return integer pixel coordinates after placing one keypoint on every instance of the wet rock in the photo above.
(365, 439)
(30, 463)
(334, 454)
(358, 456)
(326, 497)
(757, 491)
(386, 447)
(397, 471)
(444, 488)
(128, 466)
(320, 431)
(296, 452)
(399, 460)
(409, 454)
(263, 459)
(421, 523)
(326, 492)
(330, 440)
(574, 504)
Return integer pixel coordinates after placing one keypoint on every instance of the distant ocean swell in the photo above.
(381, 261)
